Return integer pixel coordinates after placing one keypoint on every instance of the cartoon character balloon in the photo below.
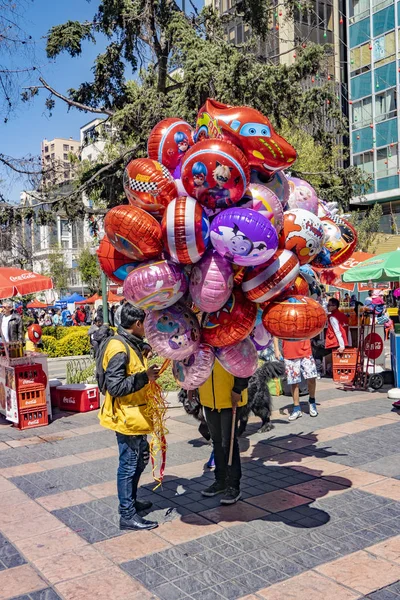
(173, 332)
(299, 287)
(186, 230)
(133, 232)
(114, 264)
(149, 185)
(155, 285)
(168, 143)
(191, 372)
(294, 318)
(248, 129)
(303, 234)
(263, 200)
(35, 333)
(340, 242)
(302, 195)
(268, 281)
(244, 236)
(277, 183)
(232, 323)
(216, 173)
(260, 337)
(211, 282)
(241, 360)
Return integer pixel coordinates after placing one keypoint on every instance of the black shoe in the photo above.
(144, 505)
(231, 496)
(136, 522)
(214, 489)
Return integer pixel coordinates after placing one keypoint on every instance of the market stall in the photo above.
(24, 381)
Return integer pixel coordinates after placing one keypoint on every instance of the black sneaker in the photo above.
(231, 496)
(214, 489)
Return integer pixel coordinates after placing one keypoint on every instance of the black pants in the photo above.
(220, 425)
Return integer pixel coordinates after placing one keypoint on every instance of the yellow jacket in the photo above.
(126, 414)
(216, 391)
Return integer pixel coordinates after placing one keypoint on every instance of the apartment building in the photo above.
(58, 161)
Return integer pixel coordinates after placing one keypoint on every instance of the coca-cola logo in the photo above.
(23, 276)
(27, 381)
(373, 346)
(69, 400)
(30, 402)
(35, 422)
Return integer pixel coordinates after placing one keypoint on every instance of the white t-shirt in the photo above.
(4, 327)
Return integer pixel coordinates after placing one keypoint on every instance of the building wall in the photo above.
(56, 160)
(374, 37)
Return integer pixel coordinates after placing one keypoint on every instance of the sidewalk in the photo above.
(318, 519)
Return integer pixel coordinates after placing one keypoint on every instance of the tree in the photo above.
(89, 269)
(367, 225)
(179, 60)
(58, 270)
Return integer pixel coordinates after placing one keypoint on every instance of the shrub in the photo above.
(49, 345)
(59, 332)
(75, 343)
(166, 380)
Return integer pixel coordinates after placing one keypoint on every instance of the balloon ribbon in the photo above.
(157, 410)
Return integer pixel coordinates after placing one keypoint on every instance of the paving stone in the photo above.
(169, 591)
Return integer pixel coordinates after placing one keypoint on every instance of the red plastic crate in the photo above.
(32, 397)
(347, 358)
(27, 376)
(29, 419)
(78, 397)
(344, 374)
(54, 384)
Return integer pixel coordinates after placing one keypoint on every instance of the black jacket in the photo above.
(118, 383)
(15, 328)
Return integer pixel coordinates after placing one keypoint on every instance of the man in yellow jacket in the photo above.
(127, 378)
(218, 395)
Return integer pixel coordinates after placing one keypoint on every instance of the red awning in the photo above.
(111, 297)
(37, 304)
(334, 276)
(17, 282)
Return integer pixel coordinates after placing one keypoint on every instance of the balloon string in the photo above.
(156, 410)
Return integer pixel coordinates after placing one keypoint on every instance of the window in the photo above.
(358, 7)
(65, 147)
(360, 57)
(52, 146)
(53, 155)
(46, 149)
(239, 34)
(362, 113)
(65, 157)
(386, 105)
(386, 161)
(66, 174)
(365, 162)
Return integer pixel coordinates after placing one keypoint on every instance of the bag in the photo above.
(100, 373)
(275, 386)
(382, 320)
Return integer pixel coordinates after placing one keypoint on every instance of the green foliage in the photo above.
(81, 370)
(367, 225)
(68, 38)
(58, 269)
(58, 332)
(167, 380)
(89, 269)
(75, 343)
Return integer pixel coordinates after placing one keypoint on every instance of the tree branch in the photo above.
(102, 110)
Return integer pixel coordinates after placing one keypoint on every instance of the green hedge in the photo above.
(75, 343)
(59, 332)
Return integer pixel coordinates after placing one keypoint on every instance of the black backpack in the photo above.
(100, 373)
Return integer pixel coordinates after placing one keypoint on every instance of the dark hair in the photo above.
(334, 301)
(130, 314)
(370, 293)
(98, 320)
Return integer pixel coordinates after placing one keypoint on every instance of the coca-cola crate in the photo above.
(343, 374)
(29, 419)
(347, 358)
(27, 376)
(79, 397)
(32, 397)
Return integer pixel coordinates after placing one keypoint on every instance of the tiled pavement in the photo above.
(318, 519)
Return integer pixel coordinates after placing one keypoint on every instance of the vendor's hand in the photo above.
(235, 398)
(147, 352)
(341, 350)
(153, 372)
(279, 356)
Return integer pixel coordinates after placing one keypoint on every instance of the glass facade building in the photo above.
(373, 75)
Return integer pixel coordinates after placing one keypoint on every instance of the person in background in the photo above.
(112, 315)
(11, 329)
(117, 315)
(88, 315)
(337, 330)
(99, 312)
(299, 362)
(368, 300)
(92, 330)
(127, 377)
(218, 396)
(57, 317)
(80, 316)
(353, 300)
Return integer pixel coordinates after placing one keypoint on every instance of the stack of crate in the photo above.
(344, 365)
(30, 383)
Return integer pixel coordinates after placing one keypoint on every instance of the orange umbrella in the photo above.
(334, 276)
(111, 297)
(37, 304)
(17, 282)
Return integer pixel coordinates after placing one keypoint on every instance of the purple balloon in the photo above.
(260, 337)
(155, 285)
(277, 184)
(211, 282)
(302, 195)
(191, 372)
(241, 360)
(173, 332)
(244, 236)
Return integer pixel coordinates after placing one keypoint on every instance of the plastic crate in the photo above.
(28, 376)
(32, 397)
(29, 419)
(54, 384)
(344, 374)
(347, 358)
(79, 397)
